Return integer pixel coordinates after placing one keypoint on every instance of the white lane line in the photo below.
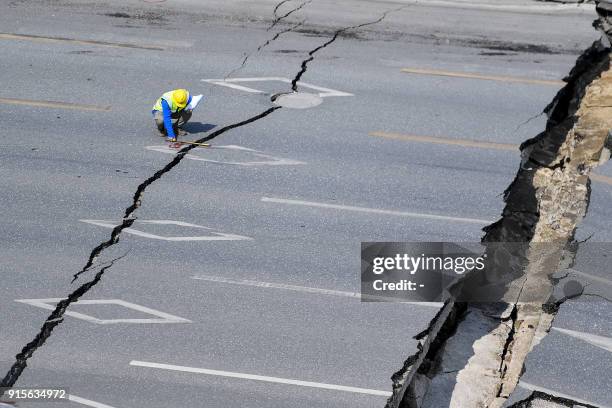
(597, 341)
(87, 402)
(254, 377)
(373, 210)
(532, 387)
(272, 285)
(305, 289)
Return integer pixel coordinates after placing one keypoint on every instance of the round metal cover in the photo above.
(297, 100)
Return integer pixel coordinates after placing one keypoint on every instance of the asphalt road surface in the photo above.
(262, 281)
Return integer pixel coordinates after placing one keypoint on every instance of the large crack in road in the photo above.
(538, 397)
(277, 19)
(473, 353)
(264, 45)
(57, 315)
(337, 33)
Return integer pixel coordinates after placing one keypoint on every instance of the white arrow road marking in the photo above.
(244, 376)
(304, 289)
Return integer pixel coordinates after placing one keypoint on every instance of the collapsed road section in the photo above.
(473, 352)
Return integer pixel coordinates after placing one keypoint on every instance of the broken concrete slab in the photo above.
(544, 205)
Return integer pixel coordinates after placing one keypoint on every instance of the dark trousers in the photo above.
(178, 120)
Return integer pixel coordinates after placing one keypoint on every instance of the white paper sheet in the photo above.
(195, 100)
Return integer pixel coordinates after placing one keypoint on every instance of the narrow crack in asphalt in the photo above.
(287, 14)
(531, 118)
(264, 45)
(278, 6)
(56, 317)
(337, 33)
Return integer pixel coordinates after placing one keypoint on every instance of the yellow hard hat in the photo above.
(180, 97)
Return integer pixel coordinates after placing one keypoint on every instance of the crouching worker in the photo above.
(170, 114)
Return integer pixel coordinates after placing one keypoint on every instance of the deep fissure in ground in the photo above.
(473, 353)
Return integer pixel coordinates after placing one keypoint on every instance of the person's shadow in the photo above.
(198, 127)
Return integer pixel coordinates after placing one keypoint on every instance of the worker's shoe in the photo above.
(179, 131)
(171, 139)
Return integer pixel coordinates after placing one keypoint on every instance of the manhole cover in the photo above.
(297, 100)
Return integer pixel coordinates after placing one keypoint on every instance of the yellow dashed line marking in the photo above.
(55, 104)
(447, 141)
(38, 38)
(468, 75)
(469, 143)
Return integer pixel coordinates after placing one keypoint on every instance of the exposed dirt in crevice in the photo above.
(278, 19)
(481, 363)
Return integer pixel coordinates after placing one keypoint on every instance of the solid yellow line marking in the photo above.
(482, 77)
(447, 141)
(38, 38)
(470, 143)
(55, 104)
